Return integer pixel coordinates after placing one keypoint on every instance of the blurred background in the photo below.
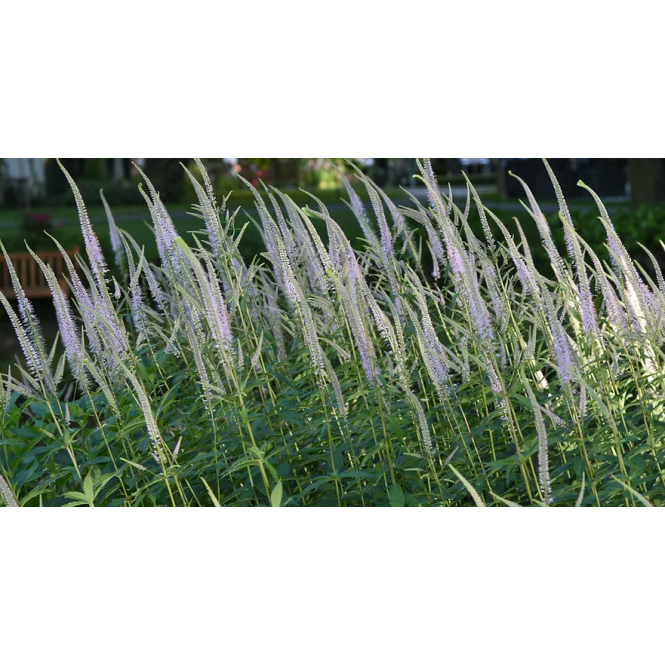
(35, 198)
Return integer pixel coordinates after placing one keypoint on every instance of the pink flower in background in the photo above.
(36, 218)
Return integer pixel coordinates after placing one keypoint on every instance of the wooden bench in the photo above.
(30, 274)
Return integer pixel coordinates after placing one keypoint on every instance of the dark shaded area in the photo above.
(166, 175)
(607, 177)
(647, 178)
(117, 177)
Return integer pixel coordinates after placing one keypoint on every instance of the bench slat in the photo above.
(30, 275)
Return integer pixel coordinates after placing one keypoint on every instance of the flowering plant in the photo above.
(322, 375)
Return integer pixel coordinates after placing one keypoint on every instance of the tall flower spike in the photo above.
(337, 388)
(30, 324)
(526, 249)
(155, 289)
(481, 212)
(397, 216)
(386, 331)
(501, 311)
(565, 361)
(361, 339)
(637, 293)
(111, 329)
(615, 313)
(525, 272)
(422, 419)
(432, 340)
(68, 330)
(659, 290)
(438, 252)
(213, 304)
(194, 334)
(208, 210)
(316, 239)
(85, 304)
(135, 290)
(220, 310)
(210, 190)
(113, 234)
(92, 246)
(31, 356)
(587, 311)
(544, 231)
(165, 231)
(478, 309)
(8, 387)
(467, 205)
(356, 205)
(117, 293)
(466, 369)
(144, 402)
(430, 178)
(475, 246)
(312, 340)
(433, 362)
(288, 236)
(273, 314)
(387, 249)
(543, 450)
(310, 258)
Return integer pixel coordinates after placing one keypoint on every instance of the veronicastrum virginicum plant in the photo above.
(436, 373)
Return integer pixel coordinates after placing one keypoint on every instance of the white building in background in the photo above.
(27, 174)
(477, 164)
(25, 167)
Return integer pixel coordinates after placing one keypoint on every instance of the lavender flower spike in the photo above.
(151, 424)
(27, 347)
(113, 233)
(356, 205)
(564, 355)
(422, 419)
(543, 451)
(430, 179)
(30, 323)
(68, 331)
(588, 314)
(92, 246)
